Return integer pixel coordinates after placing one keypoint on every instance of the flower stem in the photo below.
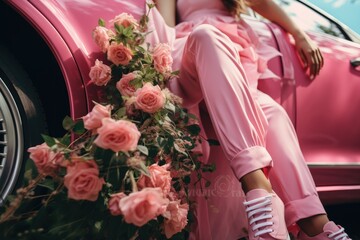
(133, 182)
(21, 194)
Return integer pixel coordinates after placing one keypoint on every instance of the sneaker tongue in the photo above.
(331, 227)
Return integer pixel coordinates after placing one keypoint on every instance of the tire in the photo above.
(21, 122)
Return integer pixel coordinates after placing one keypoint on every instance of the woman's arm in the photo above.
(167, 8)
(308, 50)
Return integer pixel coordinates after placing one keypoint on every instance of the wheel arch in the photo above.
(48, 61)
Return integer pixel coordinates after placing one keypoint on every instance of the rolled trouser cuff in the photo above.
(249, 160)
(303, 208)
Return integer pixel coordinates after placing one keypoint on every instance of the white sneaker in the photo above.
(266, 215)
(331, 231)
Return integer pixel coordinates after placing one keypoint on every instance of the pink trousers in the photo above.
(253, 130)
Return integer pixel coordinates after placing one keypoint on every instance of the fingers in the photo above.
(320, 56)
(317, 62)
(310, 55)
(313, 60)
(304, 58)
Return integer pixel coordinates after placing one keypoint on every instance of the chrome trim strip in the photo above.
(334, 165)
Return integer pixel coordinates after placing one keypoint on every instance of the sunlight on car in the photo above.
(313, 21)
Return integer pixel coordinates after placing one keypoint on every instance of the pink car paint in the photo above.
(325, 111)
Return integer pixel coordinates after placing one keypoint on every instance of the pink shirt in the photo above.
(191, 10)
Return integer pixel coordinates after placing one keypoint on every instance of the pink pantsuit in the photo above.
(220, 61)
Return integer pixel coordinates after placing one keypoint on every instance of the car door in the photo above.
(326, 110)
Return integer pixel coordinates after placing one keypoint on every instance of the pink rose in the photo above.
(82, 180)
(100, 74)
(175, 218)
(159, 177)
(114, 203)
(46, 161)
(162, 58)
(149, 98)
(140, 207)
(102, 36)
(178, 194)
(125, 19)
(124, 86)
(119, 54)
(92, 120)
(121, 135)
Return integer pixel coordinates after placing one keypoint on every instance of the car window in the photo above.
(308, 19)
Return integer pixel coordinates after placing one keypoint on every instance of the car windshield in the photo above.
(346, 11)
(316, 20)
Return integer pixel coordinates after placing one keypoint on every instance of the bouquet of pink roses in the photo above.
(123, 170)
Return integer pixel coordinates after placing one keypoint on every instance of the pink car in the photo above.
(46, 51)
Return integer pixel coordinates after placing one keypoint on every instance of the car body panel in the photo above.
(66, 26)
(75, 20)
(328, 107)
(324, 111)
(61, 52)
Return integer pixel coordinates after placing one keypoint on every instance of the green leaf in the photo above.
(170, 106)
(79, 127)
(68, 123)
(179, 149)
(66, 139)
(213, 142)
(175, 72)
(103, 154)
(194, 129)
(153, 150)
(183, 114)
(150, 5)
(101, 22)
(187, 179)
(161, 141)
(30, 170)
(209, 167)
(121, 112)
(137, 82)
(98, 225)
(118, 28)
(28, 174)
(47, 183)
(143, 149)
(157, 117)
(128, 31)
(50, 141)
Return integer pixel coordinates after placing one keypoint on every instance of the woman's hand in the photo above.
(308, 50)
(310, 55)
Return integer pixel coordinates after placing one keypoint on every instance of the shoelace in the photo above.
(339, 235)
(259, 206)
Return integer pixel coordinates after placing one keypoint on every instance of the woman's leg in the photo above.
(211, 71)
(290, 177)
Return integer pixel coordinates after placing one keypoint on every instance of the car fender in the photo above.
(66, 26)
